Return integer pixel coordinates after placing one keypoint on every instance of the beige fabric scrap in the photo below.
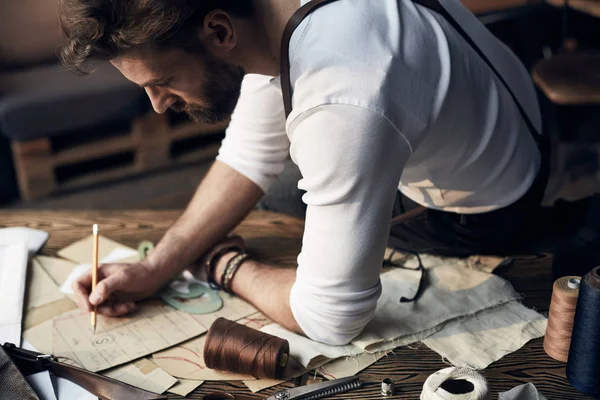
(486, 337)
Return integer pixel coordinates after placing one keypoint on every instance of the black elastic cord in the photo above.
(390, 263)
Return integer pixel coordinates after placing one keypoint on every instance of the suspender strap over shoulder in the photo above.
(290, 28)
(434, 5)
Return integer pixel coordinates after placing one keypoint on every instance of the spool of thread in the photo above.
(237, 348)
(583, 367)
(456, 384)
(561, 317)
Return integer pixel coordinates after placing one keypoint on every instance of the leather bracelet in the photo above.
(232, 266)
(211, 264)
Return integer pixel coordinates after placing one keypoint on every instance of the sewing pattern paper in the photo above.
(187, 359)
(42, 289)
(143, 374)
(184, 387)
(153, 327)
(108, 250)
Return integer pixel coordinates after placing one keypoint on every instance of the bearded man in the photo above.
(399, 107)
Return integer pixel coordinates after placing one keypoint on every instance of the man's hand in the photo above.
(119, 287)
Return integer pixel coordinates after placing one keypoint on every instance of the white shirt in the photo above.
(387, 96)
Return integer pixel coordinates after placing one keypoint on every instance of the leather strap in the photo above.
(434, 5)
(290, 28)
(30, 362)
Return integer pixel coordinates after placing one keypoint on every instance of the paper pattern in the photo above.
(153, 327)
(143, 374)
(487, 336)
(40, 337)
(81, 252)
(44, 299)
(116, 255)
(57, 268)
(42, 289)
(13, 272)
(292, 370)
(187, 360)
(184, 387)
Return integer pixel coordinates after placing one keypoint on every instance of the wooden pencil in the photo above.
(94, 271)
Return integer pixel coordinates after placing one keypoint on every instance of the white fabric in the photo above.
(34, 238)
(386, 95)
(487, 336)
(433, 391)
(453, 291)
(527, 391)
(13, 273)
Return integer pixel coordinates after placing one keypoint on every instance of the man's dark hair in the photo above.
(105, 29)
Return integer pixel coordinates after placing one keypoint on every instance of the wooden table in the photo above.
(278, 238)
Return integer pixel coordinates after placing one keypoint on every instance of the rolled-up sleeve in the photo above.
(351, 160)
(255, 143)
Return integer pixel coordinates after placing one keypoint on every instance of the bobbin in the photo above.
(387, 387)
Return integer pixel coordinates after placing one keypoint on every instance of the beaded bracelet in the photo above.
(232, 266)
(211, 264)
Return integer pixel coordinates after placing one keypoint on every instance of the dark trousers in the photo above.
(509, 230)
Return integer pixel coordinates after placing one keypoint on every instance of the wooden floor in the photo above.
(169, 189)
(172, 189)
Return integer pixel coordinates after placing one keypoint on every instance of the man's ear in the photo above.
(218, 33)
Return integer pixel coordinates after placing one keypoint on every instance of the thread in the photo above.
(583, 367)
(561, 317)
(456, 384)
(237, 348)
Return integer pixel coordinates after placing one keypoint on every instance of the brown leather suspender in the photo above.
(290, 28)
(434, 5)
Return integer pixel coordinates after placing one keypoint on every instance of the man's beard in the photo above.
(221, 91)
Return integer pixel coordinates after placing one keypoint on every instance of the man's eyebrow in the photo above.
(154, 82)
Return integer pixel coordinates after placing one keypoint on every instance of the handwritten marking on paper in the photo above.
(153, 327)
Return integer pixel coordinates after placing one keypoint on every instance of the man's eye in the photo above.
(163, 84)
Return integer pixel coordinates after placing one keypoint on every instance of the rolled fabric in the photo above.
(456, 384)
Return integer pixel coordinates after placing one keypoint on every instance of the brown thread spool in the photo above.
(561, 317)
(233, 347)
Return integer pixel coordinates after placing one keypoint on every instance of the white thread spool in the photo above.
(456, 384)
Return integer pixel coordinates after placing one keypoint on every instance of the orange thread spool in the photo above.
(233, 347)
(561, 317)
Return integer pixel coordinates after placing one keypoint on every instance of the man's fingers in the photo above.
(105, 287)
(116, 309)
(82, 295)
(81, 288)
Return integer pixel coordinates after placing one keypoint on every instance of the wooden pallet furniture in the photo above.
(153, 141)
(570, 78)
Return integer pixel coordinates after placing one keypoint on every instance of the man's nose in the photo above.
(161, 100)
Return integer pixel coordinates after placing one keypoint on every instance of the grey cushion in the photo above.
(48, 101)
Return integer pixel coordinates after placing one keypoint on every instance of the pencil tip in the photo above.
(95, 229)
